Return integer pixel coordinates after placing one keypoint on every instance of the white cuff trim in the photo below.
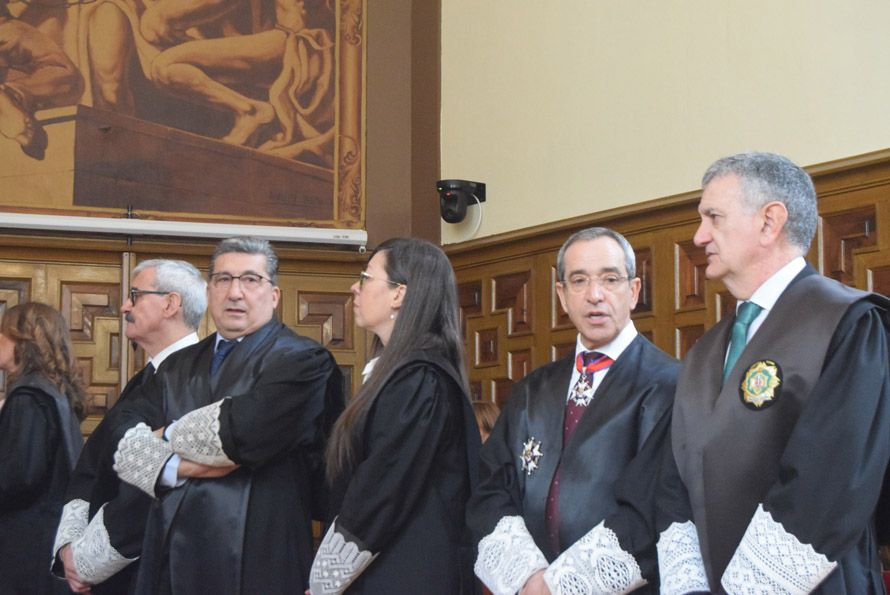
(508, 556)
(140, 458)
(680, 564)
(337, 564)
(95, 559)
(75, 517)
(195, 436)
(594, 565)
(770, 559)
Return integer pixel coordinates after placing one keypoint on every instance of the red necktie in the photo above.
(587, 363)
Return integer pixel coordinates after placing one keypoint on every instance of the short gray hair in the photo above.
(766, 177)
(183, 278)
(592, 233)
(248, 245)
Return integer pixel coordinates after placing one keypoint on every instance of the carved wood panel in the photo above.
(677, 303)
(86, 286)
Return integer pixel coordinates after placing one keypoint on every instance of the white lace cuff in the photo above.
(508, 556)
(680, 564)
(337, 564)
(95, 559)
(75, 517)
(771, 560)
(140, 458)
(195, 436)
(594, 565)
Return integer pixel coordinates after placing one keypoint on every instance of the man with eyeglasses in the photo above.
(167, 300)
(234, 456)
(565, 500)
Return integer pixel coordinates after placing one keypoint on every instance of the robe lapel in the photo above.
(545, 412)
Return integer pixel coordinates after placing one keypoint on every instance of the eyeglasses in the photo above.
(363, 276)
(249, 281)
(135, 293)
(581, 283)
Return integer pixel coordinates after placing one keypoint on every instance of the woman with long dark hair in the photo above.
(402, 457)
(39, 442)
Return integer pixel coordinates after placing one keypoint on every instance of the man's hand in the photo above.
(75, 583)
(535, 585)
(191, 469)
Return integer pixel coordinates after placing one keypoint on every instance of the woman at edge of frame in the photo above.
(40, 441)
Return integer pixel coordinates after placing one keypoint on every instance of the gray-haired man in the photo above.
(165, 304)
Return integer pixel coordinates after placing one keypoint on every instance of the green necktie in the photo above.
(748, 311)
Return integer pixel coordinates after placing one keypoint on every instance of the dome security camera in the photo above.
(456, 195)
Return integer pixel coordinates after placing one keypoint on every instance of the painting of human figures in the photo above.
(189, 109)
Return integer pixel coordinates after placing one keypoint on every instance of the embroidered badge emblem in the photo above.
(761, 385)
(531, 454)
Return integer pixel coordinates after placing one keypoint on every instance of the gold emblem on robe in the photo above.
(761, 384)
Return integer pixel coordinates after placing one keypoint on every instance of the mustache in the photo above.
(129, 317)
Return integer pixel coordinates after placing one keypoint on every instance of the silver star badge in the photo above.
(531, 454)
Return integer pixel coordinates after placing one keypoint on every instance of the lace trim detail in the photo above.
(771, 560)
(680, 564)
(75, 517)
(337, 564)
(196, 436)
(508, 556)
(140, 457)
(95, 559)
(594, 565)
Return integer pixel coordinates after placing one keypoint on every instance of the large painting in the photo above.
(213, 110)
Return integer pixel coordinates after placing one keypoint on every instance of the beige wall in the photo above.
(575, 106)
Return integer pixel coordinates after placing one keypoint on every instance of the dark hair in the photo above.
(428, 319)
(486, 414)
(43, 347)
(767, 177)
(247, 245)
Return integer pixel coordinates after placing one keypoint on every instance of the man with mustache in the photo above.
(166, 302)
(564, 503)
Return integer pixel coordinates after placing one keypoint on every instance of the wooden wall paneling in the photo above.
(677, 304)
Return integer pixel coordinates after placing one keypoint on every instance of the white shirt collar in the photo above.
(769, 292)
(221, 338)
(616, 346)
(187, 340)
(369, 367)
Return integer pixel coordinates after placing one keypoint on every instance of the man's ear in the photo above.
(774, 215)
(172, 305)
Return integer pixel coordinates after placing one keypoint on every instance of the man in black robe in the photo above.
(567, 475)
(782, 414)
(238, 466)
(166, 303)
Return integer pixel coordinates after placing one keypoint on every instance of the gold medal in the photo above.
(761, 385)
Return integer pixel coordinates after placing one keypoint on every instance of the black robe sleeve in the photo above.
(404, 427)
(29, 437)
(833, 465)
(283, 411)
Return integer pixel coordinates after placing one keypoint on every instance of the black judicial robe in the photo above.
(815, 459)
(406, 497)
(609, 466)
(39, 443)
(95, 481)
(248, 532)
